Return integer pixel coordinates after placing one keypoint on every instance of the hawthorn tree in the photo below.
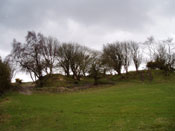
(96, 69)
(49, 46)
(79, 61)
(113, 56)
(73, 58)
(163, 57)
(126, 55)
(28, 56)
(136, 54)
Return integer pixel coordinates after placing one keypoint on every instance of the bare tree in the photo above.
(164, 56)
(79, 60)
(64, 54)
(170, 54)
(126, 55)
(74, 58)
(86, 60)
(75, 62)
(49, 52)
(113, 56)
(136, 54)
(29, 56)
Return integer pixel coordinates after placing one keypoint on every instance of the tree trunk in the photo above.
(40, 80)
(51, 69)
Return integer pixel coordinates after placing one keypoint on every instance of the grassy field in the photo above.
(125, 106)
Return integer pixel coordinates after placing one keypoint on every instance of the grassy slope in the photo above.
(124, 106)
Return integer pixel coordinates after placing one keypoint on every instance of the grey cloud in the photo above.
(130, 16)
(121, 14)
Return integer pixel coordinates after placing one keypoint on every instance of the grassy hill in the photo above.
(127, 103)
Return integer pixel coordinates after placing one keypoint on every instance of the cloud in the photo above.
(92, 22)
(125, 14)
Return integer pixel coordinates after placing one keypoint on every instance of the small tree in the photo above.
(96, 67)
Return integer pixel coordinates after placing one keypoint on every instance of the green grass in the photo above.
(125, 106)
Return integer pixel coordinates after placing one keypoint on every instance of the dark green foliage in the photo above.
(18, 81)
(5, 76)
(158, 64)
(151, 65)
(95, 72)
(161, 65)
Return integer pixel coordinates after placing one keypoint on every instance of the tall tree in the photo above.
(49, 52)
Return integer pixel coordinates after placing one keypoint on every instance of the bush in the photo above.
(160, 65)
(151, 65)
(5, 76)
(18, 81)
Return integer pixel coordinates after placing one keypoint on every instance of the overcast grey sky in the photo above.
(88, 22)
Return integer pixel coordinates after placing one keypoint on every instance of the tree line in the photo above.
(41, 55)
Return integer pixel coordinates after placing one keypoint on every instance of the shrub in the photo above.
(151, 65)
(18, 81)
(5, 76)
(161, 65)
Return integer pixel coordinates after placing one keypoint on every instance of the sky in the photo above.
(89, 22)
